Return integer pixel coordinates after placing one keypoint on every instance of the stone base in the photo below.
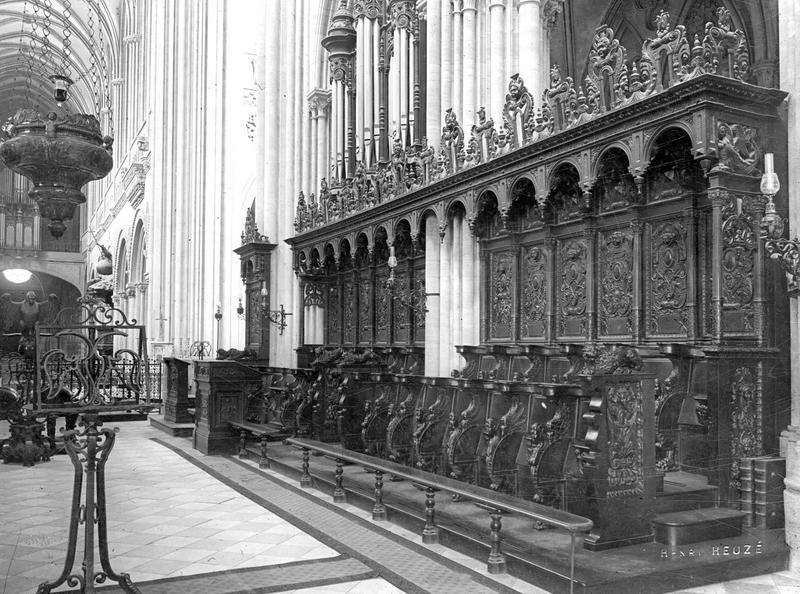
(210, 443)
(176, 429)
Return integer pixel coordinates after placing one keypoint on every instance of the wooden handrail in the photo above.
(547, 515)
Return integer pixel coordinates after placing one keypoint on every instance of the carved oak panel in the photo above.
(625, 439)
(364, 312)
(535, 291)
(738, 262)
(419, 312)
(382, 309)
(401, 324)
(667, 279)
(334, 315)
(572, 291)
(348, 312)
(501, 295)
(615, 299)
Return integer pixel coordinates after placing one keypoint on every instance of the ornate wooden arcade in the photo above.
(627, 326)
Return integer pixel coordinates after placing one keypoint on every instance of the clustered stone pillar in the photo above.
(432, 297)
(341, 43)
(319, 103)
(789, 19)
(403, 71)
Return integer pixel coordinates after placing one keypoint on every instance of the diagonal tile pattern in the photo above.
(181, 522)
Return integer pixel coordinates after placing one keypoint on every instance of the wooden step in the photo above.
(696, 525)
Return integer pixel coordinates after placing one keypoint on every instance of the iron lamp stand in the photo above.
(89, 448)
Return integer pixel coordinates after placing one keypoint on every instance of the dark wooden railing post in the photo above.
(264, 461)
(243, 444)
(305, 477)
(338, 493)
(430, 534)
(497, 561)
(378, 510)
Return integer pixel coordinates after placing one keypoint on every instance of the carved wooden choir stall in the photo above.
(568, 307)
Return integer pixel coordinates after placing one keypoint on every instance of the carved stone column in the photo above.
(789, 18)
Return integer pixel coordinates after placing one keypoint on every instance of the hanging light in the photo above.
(17, 276)
(59, 152)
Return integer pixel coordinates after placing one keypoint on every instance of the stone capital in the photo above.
(319, 100)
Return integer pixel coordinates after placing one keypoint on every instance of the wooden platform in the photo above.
(176, 429)
(542, 556)
(686, 527)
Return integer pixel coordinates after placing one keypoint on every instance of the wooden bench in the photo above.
(260, 432)
(497, 503)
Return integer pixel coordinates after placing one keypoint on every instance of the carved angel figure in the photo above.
(21, 316)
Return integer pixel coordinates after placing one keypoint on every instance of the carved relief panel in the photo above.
(738, 262)
(501, 295)
(348, 312)
(334, 315)
(667, 279)
(382, 309)
(401, 319)
(572, 290)
(624, 415)
(420, 310)
(364, 311)
(535, 291)
(615, 298)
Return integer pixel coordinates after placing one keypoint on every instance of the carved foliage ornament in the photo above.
(668, 276)
(333, 314)
(745, 418)
(313, 295)
(250, 233)
(625, 439)
(502, 294)
(613, 82)
(738, 256)
(404, 13)
(616, 301)
(534, 292)
(572, 288)
(341, 69)
(368, 8)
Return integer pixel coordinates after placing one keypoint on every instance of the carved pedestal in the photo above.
(618, 457)
(176, 399)
(222, 389)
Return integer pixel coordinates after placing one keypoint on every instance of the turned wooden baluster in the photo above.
(497, 561)
(264, 461)
(430, 534)
(305, 477)
(243, 444)
(378, 510)
(338, 493)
